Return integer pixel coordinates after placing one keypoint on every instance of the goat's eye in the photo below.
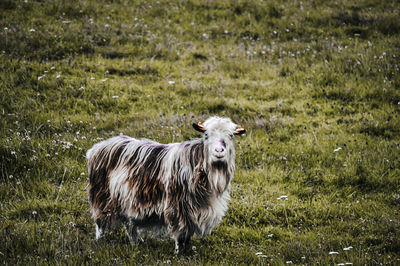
(206, 135)
(231, 136)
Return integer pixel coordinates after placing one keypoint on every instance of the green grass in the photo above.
(315, 83)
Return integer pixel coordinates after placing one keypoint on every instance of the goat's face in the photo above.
(218, 137)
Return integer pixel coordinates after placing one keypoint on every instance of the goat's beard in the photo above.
(219, 173)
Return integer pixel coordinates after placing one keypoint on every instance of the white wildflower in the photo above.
(283, 197)
(337, 149)
(333, 253)
(171, 82)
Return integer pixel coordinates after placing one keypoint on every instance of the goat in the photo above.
(181, 187)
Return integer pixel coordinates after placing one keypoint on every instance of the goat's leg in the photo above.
(182, 240)
(179, 227)
(99, 232)
(131, 232)
(100, 228)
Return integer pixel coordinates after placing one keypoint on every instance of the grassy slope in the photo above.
(303, 77)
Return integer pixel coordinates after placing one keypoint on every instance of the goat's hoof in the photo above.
(184, 251)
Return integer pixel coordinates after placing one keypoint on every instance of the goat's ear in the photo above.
(199, 127)
(239, 131)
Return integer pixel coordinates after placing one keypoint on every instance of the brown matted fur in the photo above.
(181, 187)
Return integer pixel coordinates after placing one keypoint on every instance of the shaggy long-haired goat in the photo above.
(182, 187)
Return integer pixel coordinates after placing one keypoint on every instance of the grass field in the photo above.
(315, 83)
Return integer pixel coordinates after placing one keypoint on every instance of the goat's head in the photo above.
(219, 150)
(218, 135)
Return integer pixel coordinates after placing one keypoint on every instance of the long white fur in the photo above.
(208, 217)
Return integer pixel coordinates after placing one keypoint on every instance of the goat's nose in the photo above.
(219, 149)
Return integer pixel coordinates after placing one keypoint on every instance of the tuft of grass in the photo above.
(316, 84)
